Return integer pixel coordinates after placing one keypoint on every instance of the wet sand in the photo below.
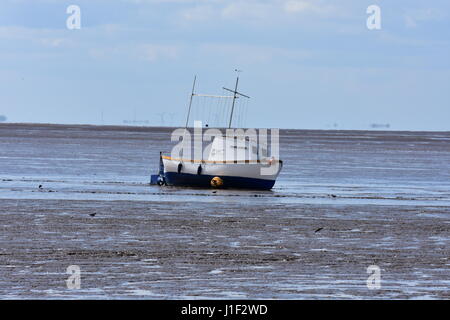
(391, 208)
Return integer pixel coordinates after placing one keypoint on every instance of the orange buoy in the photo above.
(216, 182)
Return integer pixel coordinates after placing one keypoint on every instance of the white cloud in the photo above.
(170, 1)
(390, 38)
(46, 40)
(413, 18)
(249, 54)
(310, 7)
(43, 37)
(198, 13)
(154, 52)
(150, 52)
(255, 10)
(297, 6)
(248, 9)
(55, 42)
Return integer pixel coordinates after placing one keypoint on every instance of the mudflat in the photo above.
(345, 200)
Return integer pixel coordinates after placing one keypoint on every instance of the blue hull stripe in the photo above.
(204, 181)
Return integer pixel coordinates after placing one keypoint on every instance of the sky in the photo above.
(306, 64)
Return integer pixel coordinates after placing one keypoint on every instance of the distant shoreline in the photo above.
(150, 128)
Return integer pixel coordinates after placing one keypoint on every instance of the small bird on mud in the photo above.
(318, 229)
(40, 186)
(93, 214)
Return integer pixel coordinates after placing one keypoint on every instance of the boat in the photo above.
(239, 160)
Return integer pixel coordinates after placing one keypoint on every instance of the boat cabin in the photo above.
(231, 148)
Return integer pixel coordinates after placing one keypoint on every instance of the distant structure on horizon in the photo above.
(380, 126)
(163, 118)
(137, 122)
(3, 118)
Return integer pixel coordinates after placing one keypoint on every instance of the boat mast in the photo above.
(234, 100)
(190, 102)
(235, 96)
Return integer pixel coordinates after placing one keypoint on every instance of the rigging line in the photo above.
(248, 108)
(244, 111)
(229, 107)
(213, 96)
(188, 111)
(216, 112)
(222, 111)
(210, 110)
(243, 114)
(205, 111)
(241, 110)
(197, 111)
(238, 113)
(202, 115)
(238, 101)
(225, 112)
(213, 112)
(202, 110)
